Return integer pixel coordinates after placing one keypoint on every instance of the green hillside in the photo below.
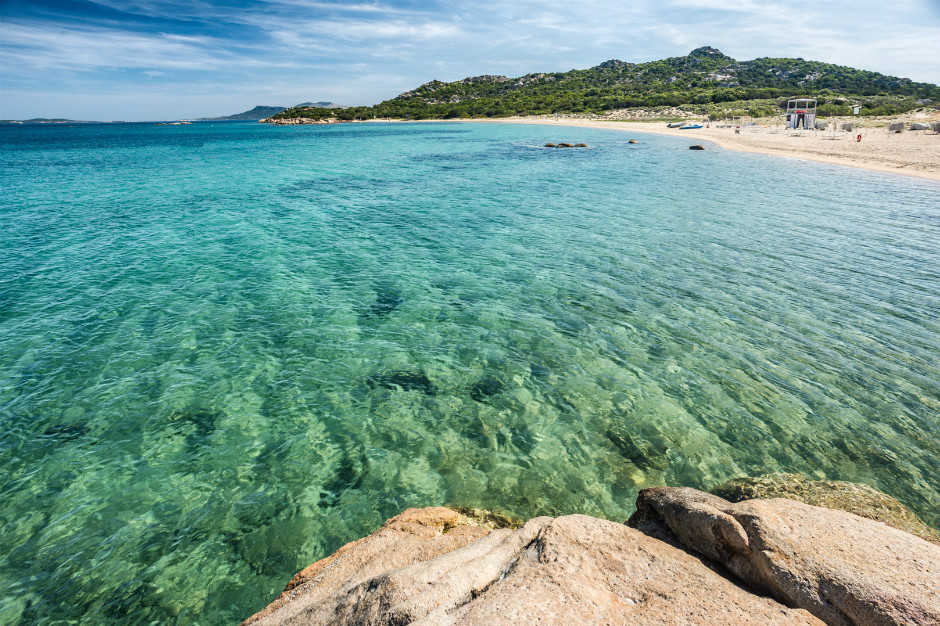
(706, 81)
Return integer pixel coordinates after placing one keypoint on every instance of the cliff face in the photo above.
(687, 557)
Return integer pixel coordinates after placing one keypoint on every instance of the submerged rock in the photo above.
(697, 147)
(645, 450)
(387, 300)
(203, 420)
(856, 498)
(633, 141)
(487, 519)
(384, 304)
(66, 432)
(843, 568)
(550, 145)
(406, 380)
(485, 388)
(348, 477)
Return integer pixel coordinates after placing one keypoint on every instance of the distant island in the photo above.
(43, 120)
(706, 82)
(257, 113)
(261, 112)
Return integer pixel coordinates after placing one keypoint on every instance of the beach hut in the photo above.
(801, 113)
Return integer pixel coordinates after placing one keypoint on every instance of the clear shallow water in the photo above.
(227, 350)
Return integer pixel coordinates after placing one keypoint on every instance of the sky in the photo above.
(161, 60)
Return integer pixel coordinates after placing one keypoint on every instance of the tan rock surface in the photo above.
(413, 536)
(582, 570)
(573, 569)
(843, 568)
(856, 498)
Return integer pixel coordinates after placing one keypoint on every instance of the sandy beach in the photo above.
(910, 153)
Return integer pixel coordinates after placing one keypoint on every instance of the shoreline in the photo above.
(911, 153)
(916, 157)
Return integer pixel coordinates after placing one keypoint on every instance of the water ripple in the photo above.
(227, 350)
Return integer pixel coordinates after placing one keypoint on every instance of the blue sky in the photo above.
(149, 60)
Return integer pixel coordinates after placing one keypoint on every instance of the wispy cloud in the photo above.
(37, 48)
(316, 34)
(358, 30)
(32, 48)
(339, 7)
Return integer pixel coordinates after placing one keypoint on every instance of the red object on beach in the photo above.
(859, 138)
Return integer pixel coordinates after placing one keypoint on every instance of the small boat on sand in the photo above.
(689, 126)
(674, 124)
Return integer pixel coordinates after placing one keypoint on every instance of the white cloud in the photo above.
(40, 48)
(362, 30)
(373, 8)
(59, 49)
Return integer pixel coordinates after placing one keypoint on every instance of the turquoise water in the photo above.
(227, 350)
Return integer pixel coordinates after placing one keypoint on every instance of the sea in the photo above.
(227, 349)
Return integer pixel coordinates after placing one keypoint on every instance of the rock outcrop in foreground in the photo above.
(843, 568)
(687, 557)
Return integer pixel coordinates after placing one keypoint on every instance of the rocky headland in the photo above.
(297, 121)
(765, 553)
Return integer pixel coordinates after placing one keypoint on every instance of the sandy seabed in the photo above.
(910, 153)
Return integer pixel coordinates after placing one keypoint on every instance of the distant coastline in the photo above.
(46, 120)
(909, 153)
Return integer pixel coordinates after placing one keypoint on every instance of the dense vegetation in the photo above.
(706, 81)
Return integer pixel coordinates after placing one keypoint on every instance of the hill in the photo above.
(261, 112)
(705, 80)
(43, 120)
(257, 113)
